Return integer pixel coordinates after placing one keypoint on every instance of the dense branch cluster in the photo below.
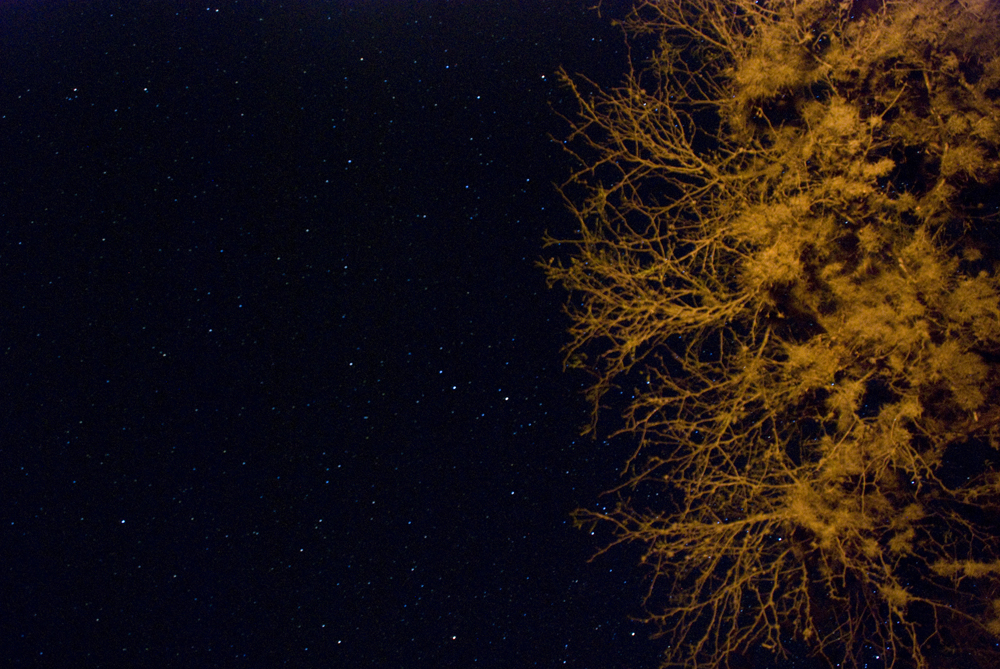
(786, 246)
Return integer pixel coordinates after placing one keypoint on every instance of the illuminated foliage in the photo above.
(786, 273)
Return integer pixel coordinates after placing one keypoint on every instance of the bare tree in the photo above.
(786, 273)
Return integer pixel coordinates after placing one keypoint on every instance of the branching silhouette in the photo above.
(785, 248)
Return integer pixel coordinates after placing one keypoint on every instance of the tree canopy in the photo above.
(786, 275)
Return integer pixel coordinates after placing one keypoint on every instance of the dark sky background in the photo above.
(281, 382)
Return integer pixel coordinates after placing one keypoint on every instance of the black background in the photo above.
(281, 381)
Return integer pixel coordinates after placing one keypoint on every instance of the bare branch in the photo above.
(783, 273)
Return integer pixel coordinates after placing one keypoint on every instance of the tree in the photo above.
(786, 278)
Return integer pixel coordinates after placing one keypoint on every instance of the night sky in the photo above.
(281, 380)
